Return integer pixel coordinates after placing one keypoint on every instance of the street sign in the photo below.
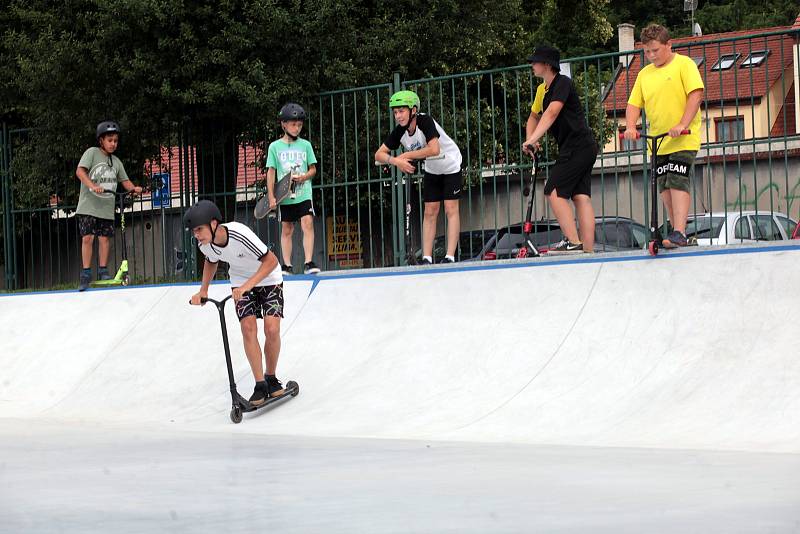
(161, 196)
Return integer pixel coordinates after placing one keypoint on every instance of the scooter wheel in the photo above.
(236, 414)
(653, 248)
(291, 384)
(126, 280)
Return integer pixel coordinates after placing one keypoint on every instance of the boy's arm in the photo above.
(83, 175)
(309, 174)
(431, 149)
(547, 120)
(632, 114)
(128, 185)
(268, 263)
(693, 102)
(530, 127)
(209, 270)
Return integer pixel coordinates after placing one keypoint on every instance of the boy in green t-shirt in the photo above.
(670, 90)
(99, 171)
(291, 154)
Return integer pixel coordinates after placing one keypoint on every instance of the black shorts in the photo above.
(572, 173)
(438, 187)
(294, 212)
(261, 301)
(91, 225)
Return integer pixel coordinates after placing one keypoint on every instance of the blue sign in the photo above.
(160, 196)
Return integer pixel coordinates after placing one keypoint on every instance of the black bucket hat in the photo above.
(548, 55)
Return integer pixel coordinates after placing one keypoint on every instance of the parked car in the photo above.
(610, 234)
(720, 228)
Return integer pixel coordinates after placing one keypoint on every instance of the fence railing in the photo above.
(749, 161)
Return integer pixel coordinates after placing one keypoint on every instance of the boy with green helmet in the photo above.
(422, 137)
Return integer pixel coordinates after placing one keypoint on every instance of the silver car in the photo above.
(723, 228)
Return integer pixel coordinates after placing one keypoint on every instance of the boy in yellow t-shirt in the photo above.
(670, 90)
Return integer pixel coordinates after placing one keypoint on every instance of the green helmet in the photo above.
(404, 99)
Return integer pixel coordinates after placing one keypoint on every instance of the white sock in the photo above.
(427, 258)
(451, 258)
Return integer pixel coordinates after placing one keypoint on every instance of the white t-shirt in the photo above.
(427, 129)
(243, 253)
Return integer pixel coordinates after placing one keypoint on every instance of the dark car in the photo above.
(610, 234)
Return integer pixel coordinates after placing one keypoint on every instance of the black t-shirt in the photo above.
(570, 128)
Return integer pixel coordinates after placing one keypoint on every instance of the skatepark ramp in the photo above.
(690, 349)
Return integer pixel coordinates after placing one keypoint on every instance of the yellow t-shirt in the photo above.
(662, 92)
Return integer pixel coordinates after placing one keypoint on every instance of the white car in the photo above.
(723, 228)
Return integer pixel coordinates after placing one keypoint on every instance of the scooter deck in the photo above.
(291, 390)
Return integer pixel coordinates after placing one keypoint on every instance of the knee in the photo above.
(451, 209)
(249, 329)
(288, 229)
(307, 223)
(88, 239)
(272, 329)
(431, 209)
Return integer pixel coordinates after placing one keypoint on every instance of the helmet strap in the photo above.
(411, 118)
(292, 137)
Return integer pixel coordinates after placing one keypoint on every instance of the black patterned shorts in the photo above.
(91, 225)
(261, 301)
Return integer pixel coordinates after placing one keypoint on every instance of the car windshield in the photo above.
(704, 227)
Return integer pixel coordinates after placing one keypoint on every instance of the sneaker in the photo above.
(85, 279)
(566, 247)
(259, 395)
(287, 269)
(425, 261)
(675, 239)
(447, 260)
(102, 273)
(274, 386)
(310, 268)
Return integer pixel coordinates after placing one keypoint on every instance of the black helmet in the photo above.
(200, 214)
(292, 112)
(107, 127)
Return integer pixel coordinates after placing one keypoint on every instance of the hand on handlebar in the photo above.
(630, 134)
(198, 299)
(404, 164)
(531, 149)
(677, 131)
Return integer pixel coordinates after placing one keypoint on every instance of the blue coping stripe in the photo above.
(464, 267)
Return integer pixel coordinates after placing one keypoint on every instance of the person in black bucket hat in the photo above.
(557, 109)
(547, 55)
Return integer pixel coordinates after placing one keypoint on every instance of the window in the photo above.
(788, 225)
(754, 59)
(725, 62)
(765, 228)
(729, 129)
(615, 234)
(698, 61)
(639, 235)
(742, 229)
(704, 227)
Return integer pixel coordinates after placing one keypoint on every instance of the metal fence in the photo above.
(749, 161)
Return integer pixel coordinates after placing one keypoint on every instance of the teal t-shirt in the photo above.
(106, 171)
(295, 158)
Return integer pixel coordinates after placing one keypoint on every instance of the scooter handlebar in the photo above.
(639, 135)
(203, 300)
